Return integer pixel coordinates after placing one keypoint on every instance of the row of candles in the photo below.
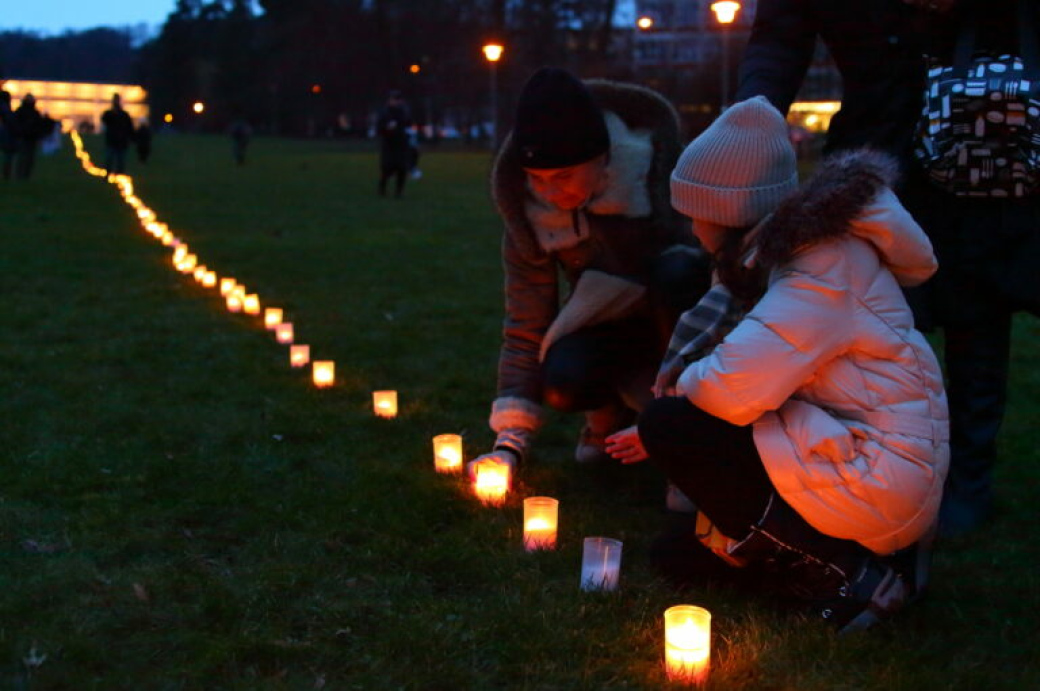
(687, 627)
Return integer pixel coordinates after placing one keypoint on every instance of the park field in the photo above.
(179, 509)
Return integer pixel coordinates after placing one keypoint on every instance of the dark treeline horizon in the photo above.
(317, 67)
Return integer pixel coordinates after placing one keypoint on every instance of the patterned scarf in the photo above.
(697, 332)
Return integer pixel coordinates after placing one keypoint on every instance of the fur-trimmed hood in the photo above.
(638, 108)
(850, 193)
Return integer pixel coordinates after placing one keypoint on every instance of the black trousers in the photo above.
(714, 463)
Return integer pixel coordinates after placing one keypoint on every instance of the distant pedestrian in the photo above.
(7, 138)
(394, 150)
(29, 128)
(241, 132)
(119, 132)
(143, 141)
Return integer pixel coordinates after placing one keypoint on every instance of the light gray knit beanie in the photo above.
(738, 169)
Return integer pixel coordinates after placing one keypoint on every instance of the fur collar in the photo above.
(624, 192)
(823, 207)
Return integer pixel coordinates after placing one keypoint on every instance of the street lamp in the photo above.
(645, 22)
(493, 53)
(725, 14)
(198, 107)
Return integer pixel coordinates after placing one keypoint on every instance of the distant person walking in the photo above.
(394, 149)
(119, 132)
(7, 139)
(29, 128)
(143, 141)
(241, 132)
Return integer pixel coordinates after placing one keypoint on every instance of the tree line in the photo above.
(313, 67)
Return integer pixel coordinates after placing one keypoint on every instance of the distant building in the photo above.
(77, 103)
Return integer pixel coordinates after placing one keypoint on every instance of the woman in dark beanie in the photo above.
(811, 433)
(582, 186)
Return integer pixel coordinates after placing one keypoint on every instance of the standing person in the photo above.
(143, 141)
(29, 128)
(394, 151)
(988, 248)
(581, 184)
(813, 435)
(8, 141)
(241, 133)
(119, 132)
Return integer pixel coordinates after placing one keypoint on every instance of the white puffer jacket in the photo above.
(846, 397)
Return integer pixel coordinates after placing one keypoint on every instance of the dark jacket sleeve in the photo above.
(778, 53)
(532, 301)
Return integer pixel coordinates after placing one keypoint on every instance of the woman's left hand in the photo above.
(626, 446)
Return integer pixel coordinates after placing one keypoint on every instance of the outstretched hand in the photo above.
(501, 455)
(626, 446)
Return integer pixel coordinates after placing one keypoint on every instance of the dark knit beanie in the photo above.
(558, 124)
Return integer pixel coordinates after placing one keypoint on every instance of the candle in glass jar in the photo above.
(299, 355)
(324, 373)
(226, 286)
(491, 481)
(251, 304)
(447, 453)
(284, 332)
(541, 515)
(272, 317)
(600, 563)
(384, 403)
(687, 643)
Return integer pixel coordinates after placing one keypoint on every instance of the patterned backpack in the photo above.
(979, 134)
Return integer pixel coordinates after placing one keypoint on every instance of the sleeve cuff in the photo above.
(512, 412)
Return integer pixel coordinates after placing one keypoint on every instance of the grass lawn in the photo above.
(181, 510)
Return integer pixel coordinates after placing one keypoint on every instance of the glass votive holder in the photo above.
(600, 564)
(687, 643)
(541, 516)
(447, 453)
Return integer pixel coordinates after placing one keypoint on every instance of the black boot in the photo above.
(840, 580)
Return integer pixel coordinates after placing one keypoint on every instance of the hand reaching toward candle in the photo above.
(501, 455)
(626, 446)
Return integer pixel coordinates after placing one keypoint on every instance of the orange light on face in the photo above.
(299, 355)
(491, 481)
(272, 317)
(541, 515)
(283, 333)
(384, 403)
(251, 304)
(447, 453)
(687, 643)
(324, 373)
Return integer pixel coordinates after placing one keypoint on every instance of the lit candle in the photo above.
(199, 273)
(210, 279)
(226, 286)
(284, 333)
(234, 302)
(384, 403)
(324, 373)
(491, 481)
(272, 317)
(299, 355)
(188, 263)
(179, 253)
(600, 563)
(167, 238)
(447, 453)
(251, 304)
(541, 515)
(687, 643)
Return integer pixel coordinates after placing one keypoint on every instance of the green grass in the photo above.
(181, 510)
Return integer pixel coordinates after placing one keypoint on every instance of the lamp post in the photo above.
(493, 53)
(725, 13)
